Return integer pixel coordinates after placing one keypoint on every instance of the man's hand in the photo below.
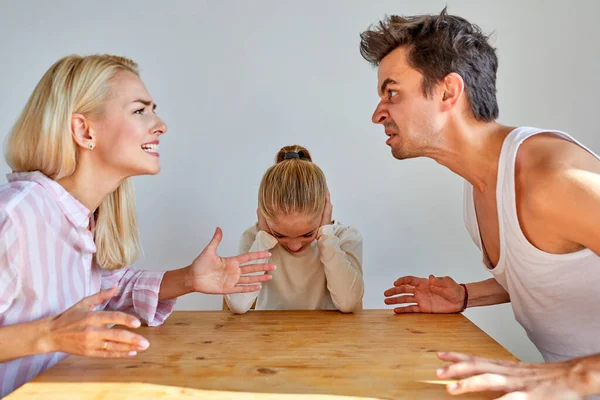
(573, 379)
(433, 295)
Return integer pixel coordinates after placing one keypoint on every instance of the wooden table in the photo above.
(286, 355)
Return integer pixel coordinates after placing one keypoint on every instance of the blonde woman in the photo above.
(319, 260)
(68, 227)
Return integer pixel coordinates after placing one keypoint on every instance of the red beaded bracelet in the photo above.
(464, 307)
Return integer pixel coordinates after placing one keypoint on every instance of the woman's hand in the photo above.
(213, 274)
(84, 332)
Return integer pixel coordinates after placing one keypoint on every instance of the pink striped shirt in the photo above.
(47, 265)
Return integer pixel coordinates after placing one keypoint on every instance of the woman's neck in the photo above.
(90, 187)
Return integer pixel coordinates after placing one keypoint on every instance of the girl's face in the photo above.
(296, 231)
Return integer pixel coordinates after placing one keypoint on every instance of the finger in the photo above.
(408, 299)
(114, 347)
(408, 280)
(437, 282)
(111, 354)
(242, 289)
(458, 357)
(214, 242)
(122, 336)
(453, 356)
(486, 382)
(477, 367)
(90, 302)
(244, 280)
(113, 317)
(257, 255)
(442, 281)
(399, 289)
(407, 310)
(248, 269)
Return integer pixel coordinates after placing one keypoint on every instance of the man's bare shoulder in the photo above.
(545, 157)
(553, 176)
(546, 152)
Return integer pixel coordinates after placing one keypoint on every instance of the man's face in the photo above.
(411, 120)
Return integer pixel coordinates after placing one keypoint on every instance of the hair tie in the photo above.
(291, 154)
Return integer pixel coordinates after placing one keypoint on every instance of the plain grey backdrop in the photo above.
(236, 80)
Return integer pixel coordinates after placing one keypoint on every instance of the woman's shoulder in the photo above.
(16, 198)
(22, 189)
(23, 203)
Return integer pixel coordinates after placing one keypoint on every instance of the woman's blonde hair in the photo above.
(294, 185)
(41, 141)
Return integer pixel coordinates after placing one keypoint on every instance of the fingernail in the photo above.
(440, 371)
(132, 353)
(452, 387)
(135, 323)
(143, 344)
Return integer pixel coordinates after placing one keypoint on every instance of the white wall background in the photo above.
(236, 80)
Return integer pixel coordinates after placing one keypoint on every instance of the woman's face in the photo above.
(295, 231)
(127, 131)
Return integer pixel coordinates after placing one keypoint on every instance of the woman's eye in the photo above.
(391, 93)
(140, 111)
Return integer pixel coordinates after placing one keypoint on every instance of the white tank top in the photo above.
(555, 297)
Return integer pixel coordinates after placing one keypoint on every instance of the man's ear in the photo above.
(452, 88)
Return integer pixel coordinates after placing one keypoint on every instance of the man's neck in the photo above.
(472, 150)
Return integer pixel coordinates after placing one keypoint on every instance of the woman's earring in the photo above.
(91, 146)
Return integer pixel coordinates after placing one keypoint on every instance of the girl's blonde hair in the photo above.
(294, 185)
(41, 141)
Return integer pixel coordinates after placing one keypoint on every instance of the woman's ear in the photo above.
(81, 131)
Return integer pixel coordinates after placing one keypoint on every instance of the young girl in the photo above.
(68, 228)
(319, 260)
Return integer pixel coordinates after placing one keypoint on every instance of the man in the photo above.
(532, 200)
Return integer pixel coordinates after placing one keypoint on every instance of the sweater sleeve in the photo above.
(340, 250)
(251, 241)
